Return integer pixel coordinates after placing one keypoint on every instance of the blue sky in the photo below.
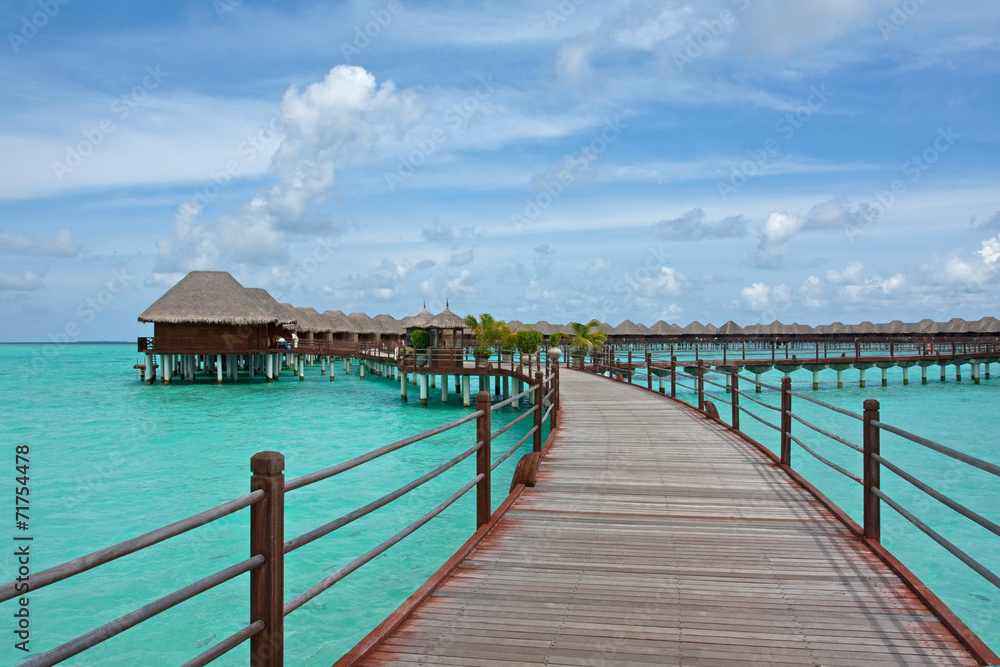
(806, 161)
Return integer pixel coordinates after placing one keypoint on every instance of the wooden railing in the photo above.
(268, 546)
(873, 461)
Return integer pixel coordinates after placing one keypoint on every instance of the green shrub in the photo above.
(420, 339)
(528, 341)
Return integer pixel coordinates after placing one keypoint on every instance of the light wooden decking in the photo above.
(656, 537)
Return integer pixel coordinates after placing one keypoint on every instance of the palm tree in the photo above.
(584, 338)
(488, 331)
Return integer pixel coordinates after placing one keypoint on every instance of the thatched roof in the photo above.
(365, 324)
(696, 328)
(548, 329)
(421, 320)
(626, 328)
(281, 315)
(390, 325)
(339, 322)
(207, 297)
(447, 320)
(987, 325)
(311, 321)
(730, 328)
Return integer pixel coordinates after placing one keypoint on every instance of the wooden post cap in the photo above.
(870, 404)
(483, 397)
(267, 463)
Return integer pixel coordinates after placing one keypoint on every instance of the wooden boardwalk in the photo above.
(656, 537)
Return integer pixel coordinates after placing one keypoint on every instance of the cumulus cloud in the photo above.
(692, 227)
(666, 282)
(25, 281)
(61, 244)
(833, 216)
(598, 266)
(779, 28)
(462, 258)
(346, 117)
(438, 233)
(992, 222)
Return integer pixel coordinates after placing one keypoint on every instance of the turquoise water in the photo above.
(961, 415)
(111, 458)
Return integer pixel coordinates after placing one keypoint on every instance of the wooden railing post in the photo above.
(700, 386)
(483, 430)
(267, 536)
(649, 370)
(872, 469)
(555, 400)
(673, 374)
(734, 382)
(536, 440)
(786, 421)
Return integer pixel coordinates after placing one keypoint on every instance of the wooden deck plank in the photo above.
(656, 537)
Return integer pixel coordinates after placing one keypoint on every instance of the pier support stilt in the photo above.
(433, 381)
(322, 365)
(168, 372)
(496, 385)
(361, 370)
(403, 384)
(424, 381)
(885, 377)
(518, 388)
(906, 376)
(815, 380)
(663, 385)
(506, 387)
(861, 378)
(466, 391)
(218, 368)
(302, 369)
(444, 388)
(840, 379)
(923, 375)
(149, 373)
(975, 373)
(757, 377)
(958, 372)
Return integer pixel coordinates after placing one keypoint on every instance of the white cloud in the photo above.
(598, 266)
(667, 282)
(61, 244)
(26, 281)
(832, 216)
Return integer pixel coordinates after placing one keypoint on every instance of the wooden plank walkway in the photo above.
(655, 537)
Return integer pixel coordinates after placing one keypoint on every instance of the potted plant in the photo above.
(507, 341)
(527, 343)
(421, 340)
(554, 352)
(487, 331)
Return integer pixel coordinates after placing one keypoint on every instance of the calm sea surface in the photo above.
(112, 458)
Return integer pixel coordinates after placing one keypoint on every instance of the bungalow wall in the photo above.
(205, 338)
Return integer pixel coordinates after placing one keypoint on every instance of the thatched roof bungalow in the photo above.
(210, 312)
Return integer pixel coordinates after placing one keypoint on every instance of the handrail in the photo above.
(843, 471)
(761, 384)
(760, 403)
(978, 567)
(108, 630)
(761, 420)
(857, 448)
(842, 411)
(940, 497)
(326, 473)
(226, 645)
(508, 401)
(329, 581)
(130, 546)
(991, 468)
(514, 422)
(513, 449)
(326, 529)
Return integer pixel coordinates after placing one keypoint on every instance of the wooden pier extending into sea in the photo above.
(656, 536)
(642, 530)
